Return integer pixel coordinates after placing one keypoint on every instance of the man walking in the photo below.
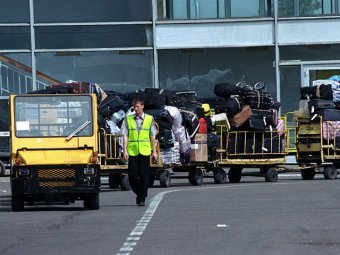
(139, 133)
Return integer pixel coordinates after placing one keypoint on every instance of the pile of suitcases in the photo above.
(323, 99)
(248, 109)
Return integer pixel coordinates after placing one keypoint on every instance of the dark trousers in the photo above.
(139, 174)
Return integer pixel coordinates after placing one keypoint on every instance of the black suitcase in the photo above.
(110, 105)
(253, 124)
(259, 99)
(324, 92)
(330, 114)
(225, 90)
(308, 93)
(316, 104)
(268, 116)
(231, 106)
(165, 139)
(152, 99)
(235, 143)
(272, 146)
(213, 102)
(190, 122)
(162, 117)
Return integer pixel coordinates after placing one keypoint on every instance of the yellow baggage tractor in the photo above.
(54, 149)
(318, 147)
(252, 149)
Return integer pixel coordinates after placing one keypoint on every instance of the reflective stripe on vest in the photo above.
(139, 143)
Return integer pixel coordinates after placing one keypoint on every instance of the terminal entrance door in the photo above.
(318, 72)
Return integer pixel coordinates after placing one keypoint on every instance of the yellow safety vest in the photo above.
(139, 143)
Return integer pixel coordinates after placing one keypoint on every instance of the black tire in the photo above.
(195, 176)
(330, 172)
(124, 183)
(165, 179)
(151, 180)
(220, 177)
(92, 201)
(2, 168)
(114, 180)
(234, 174)
(18, 202)
(271, 175)
(308, 174)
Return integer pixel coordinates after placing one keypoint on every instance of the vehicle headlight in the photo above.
(24, 172)
(89, 170)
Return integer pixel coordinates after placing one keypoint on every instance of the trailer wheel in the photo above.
(92, 201)
(308, 174)
(165, 179)
(220, 177)
(271, 175)
(2, 168)
(151, 180)
(17, 202)
(195, 176)
(124, 183)
(234, 174)
(330, 172)
(114, 181)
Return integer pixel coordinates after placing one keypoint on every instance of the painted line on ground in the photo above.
(136, 234)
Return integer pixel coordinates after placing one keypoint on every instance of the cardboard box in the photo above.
(199, 148)
(221, 121)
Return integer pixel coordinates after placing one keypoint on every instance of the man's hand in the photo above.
(155, 156)
(126, 155)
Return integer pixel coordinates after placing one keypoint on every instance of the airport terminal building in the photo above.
(126, 45)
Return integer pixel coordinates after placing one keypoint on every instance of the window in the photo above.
(121, 71)
(91, 11)
(14, 11)
(16, 73)
(201, 69)
(53, 116)
(62, 37)
(15, 38)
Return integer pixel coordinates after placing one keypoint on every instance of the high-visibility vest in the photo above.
(139, 143)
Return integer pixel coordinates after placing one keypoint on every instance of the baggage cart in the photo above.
(318, 147)
(115, 167)
(252, 149)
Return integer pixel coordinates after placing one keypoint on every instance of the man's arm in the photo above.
(153, 139)
(124, 133)
(125, 153)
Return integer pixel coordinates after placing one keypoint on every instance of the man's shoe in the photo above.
(141, 203)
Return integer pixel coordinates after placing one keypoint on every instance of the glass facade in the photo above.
(92, 11)
(215, 9)
(17, 11)
(200, 70)
(112, 43)
(121, 71)
(63, 37)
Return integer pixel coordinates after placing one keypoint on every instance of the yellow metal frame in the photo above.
(290, 130)
(248, 158)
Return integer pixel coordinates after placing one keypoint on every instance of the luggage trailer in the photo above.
(252, 149)
(115, 167)
(318, 147)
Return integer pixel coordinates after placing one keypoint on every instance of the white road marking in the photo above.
(137, 232)
(3, 191)
(222, 225)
